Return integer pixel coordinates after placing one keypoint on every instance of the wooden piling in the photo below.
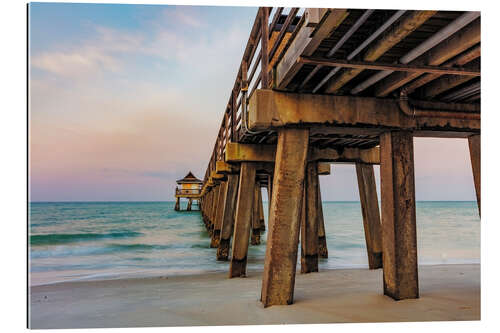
(243, 220)
(261, 213)
(206, 201)
(177, 204)
(213, 210)
(283, 227)
(399, 237)
(214, 242)
(371, 215)
(190, 203)
(475, 158)
(269, 195)
(322, 247)
(309, 226)
(228, 216)
(255, 238)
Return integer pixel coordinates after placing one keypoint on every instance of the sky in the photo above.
(126, 99)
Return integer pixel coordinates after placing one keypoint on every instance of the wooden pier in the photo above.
(321, 86)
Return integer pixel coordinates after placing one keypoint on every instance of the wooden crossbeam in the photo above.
(459, 60)
(246, 152)
(324, 168)
(270, 109)
(215, 176)
(222, 167)
(385, 66)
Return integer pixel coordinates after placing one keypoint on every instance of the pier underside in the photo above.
(338, 86)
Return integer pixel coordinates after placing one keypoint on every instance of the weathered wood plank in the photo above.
(456, 44)
(460, 60)
(304, 45)
(264, 59)
(443, 84)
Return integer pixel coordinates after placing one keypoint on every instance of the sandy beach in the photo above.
(447, 292)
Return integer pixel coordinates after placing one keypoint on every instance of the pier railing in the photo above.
(266, 45)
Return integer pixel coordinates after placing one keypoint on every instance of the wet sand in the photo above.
(447, 292)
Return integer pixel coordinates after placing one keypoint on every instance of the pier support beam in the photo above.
(206, 208)
(228, 216)
(213, 211)
(371, 215)
(322, 247)
(190, 203)
(243, 220)
(475, 158)
(309, 226)
(177, 204)
(255, 239)
(399, 237)
(261, 213)
(269, 196)
(284, 220)
(214, 242)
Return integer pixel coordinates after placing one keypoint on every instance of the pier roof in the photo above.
(189, 178)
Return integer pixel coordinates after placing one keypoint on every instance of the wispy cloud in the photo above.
(75, 63)
(106, 49)
(184, 16)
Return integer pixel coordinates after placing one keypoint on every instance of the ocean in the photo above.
(70, 241)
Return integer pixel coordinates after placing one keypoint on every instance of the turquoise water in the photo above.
(102, 240)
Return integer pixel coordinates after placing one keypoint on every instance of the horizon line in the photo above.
(131, 201)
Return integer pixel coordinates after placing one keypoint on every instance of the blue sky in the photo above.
(125, 99)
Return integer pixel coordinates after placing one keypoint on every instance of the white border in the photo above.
(13, 197)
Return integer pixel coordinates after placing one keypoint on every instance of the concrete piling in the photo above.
(261, 212)
(256, 224)
(214, 242)
(322, 247)
(213, 211)
(399, 237)
(475, 158)
(284, 219)
(243, 220)
(309, 224)
(371, 214)
(228, 216)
